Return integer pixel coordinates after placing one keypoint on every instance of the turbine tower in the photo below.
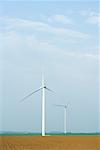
(43, 88)
(65, 116)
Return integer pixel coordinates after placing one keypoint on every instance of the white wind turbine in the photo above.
(65, 116)
(42, 88)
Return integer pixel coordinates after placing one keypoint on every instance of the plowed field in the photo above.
(50, 143)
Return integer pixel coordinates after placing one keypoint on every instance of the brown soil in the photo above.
(50, 143)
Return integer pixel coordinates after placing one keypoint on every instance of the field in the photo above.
(49, 143)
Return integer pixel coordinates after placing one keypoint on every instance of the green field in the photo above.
(50, 134)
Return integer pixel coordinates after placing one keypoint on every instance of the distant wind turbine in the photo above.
(42, 88)
(65, 116)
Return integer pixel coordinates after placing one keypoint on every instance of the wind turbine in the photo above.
(43, 88)
(65, 116)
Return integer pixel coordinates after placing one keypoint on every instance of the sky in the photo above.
(63, 38)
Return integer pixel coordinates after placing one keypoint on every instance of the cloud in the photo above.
(15, 43)
(81, 56)
(16, 24)
(60, 19)
(92, 17)
(88, 56)
(70, 33)
(18, 46)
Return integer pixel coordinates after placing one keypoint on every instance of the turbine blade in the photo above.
(62, 105)
(49, 90)
(59, 105)
(30, 95)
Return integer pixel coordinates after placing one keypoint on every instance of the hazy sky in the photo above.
(62, 36)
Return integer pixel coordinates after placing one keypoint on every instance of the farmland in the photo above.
(49, 143)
